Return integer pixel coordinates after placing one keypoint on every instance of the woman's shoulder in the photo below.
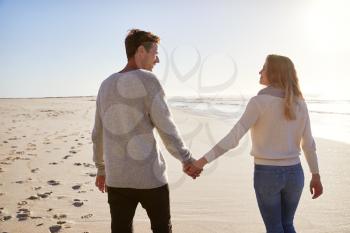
(265, 99)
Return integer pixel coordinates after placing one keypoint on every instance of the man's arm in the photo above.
(97, 139)
(162, 119)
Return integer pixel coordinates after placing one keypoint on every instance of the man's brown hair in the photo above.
(135, 38)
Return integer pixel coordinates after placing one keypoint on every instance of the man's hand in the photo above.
(195, 167)
(316, 188)
(101, 183)
(191, 170)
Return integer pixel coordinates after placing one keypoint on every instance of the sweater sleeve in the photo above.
(231, 140)
(97, 139)
(161, 117)
(309, 147)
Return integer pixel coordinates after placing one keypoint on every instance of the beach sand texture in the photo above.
(47, 176)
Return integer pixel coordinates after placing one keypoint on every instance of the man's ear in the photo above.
(141, 49)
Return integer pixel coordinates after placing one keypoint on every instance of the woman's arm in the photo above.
(231, 140)
(309, 148)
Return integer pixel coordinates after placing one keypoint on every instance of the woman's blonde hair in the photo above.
(282, 74)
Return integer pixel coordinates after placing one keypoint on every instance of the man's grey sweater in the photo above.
(128, 107)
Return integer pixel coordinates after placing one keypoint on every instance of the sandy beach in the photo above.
(47, 176)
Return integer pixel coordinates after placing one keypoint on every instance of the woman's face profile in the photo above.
(263, 76)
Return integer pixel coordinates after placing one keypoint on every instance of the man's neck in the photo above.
(131, 65)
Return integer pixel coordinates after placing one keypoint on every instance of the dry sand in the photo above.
(47, 176)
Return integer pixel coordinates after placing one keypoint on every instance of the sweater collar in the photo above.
(273, 91)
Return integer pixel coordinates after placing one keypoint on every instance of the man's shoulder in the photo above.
(146, 74)
(109, 79)
(149, 79)
(130, 79)
(139, 74)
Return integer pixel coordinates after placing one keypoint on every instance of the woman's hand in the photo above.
(200, 163)
(195, 168)
(316, 188)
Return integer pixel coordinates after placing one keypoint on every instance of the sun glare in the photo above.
(326, 25)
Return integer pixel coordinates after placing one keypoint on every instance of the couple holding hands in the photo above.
(130, 167)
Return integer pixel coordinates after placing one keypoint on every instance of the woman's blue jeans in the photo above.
(278, 190)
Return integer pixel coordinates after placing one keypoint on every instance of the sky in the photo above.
(54, 48)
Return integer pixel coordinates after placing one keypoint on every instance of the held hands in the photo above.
(194, 168)
(316, 188)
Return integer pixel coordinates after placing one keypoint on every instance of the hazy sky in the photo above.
(68, 47)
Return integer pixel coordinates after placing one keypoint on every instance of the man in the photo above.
(130, 167)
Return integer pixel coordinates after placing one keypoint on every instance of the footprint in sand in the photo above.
(23, 214)
(67, 156)
(19, 182)
(59, 216)
(78, 203)
(22, 203)
(76, 187)
(89, 165)
(53, 182)
(44, 195)
(55, 228)
(32, 198)
(34, 170)
(6, 218)
(5, 163)
(91, 174)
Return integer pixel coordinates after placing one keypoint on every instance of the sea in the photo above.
(330, 119)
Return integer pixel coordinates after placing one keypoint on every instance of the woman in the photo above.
(279, 123)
